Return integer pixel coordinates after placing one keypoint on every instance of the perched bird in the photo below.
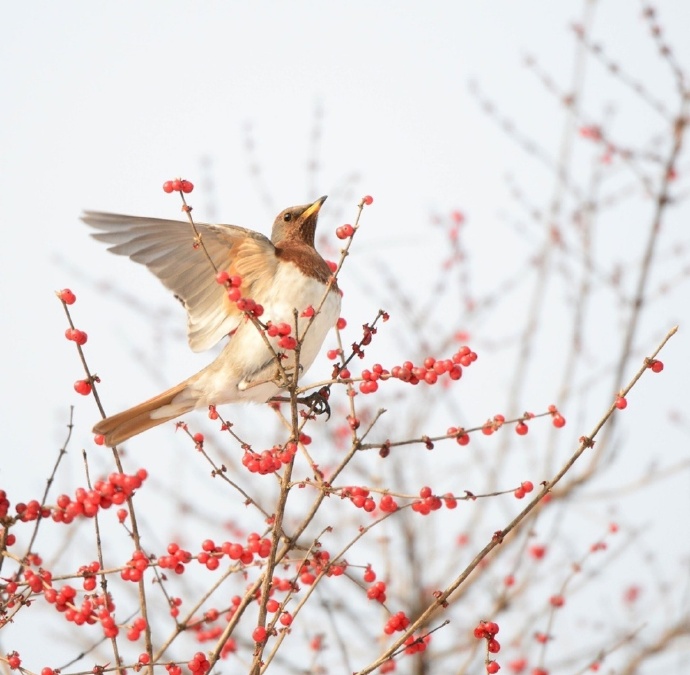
(282, 274)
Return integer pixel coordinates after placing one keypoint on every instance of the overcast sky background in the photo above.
(102, 102)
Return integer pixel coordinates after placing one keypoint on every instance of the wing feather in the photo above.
(166, 248)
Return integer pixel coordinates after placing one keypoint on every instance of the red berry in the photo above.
(68, 297)
(187, 186)
(656, 366)
(99, 439)
(177, 185)
(368, 200)
(493, 646)
(492, 667)
(558, 421)
(259, 634)
(521, 428)
(82, 387)
(168, 186)
(621, 403)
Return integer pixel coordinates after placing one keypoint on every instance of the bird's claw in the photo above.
(318, 403)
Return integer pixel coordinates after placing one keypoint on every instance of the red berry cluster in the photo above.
(88, 572)
(135, 567)
(269, 461)
(233, 283)
(487, 630)
(115, 490)
(199, 664)
(388, 504)
(525, 488)
(105, 493)
(92, 609)
(310, 568)
(556, 418)
(136, 629)
(359, 496)
(461, 436)
(344, 231)
(76, 335)
(429, 502)
(377, 591)
(416, 644)
(282, 332)
(432, 369)
(211, 554)
(177, 185)
(396, 622)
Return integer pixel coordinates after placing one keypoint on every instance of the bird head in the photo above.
(297, 223)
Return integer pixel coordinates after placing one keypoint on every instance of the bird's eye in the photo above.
(287, 217)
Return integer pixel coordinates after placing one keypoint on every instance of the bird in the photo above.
(284, 274)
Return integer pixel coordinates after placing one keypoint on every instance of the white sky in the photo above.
(102, 102)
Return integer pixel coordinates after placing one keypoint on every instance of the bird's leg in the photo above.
(317, 401)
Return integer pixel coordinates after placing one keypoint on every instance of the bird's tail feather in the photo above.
(119, 428)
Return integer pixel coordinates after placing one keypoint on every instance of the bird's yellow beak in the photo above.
(314, 208)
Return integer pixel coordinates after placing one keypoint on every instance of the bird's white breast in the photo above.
(233, 375)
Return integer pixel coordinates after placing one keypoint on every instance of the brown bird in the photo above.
(283, 274)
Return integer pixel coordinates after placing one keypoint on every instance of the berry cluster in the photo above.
(93, 608)
(211, 554)
(76, 335)
(344, 231)
(487, 630)
(135, 567)
(233, 283)
(413, 644)
(319, 563)
(388, 504)
(105, 493)
(199, 664)
(178, 185)
(282, 332)
(377, 591)
(396, 622)
(269, 461)
(525, 488)
(429, 502)
(359, 496)
(429, 372)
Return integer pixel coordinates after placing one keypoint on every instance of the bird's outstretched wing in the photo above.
(166, 247)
